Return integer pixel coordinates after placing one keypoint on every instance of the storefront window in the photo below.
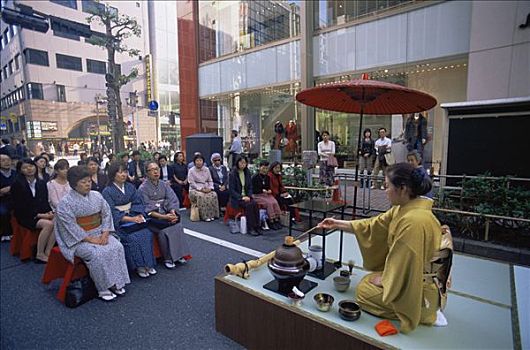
(226, 27)
(266, 120)
(334, 12)
(445, 80)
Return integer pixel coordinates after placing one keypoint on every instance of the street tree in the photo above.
(118, 28)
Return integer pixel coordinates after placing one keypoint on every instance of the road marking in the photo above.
(224, 243)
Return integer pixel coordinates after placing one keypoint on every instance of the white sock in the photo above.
(441, 321)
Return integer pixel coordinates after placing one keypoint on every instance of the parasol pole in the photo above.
(357, 162)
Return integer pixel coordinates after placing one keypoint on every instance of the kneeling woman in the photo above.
(240, 187)
(82, 228)
(201, 190)
(128, 212)
(399, 245)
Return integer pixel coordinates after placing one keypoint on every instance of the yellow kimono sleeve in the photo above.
(372, 236)
(403, 276)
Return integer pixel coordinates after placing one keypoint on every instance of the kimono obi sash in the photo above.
(90, 222)
(124, 207)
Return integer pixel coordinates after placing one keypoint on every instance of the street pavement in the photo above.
(173, 309)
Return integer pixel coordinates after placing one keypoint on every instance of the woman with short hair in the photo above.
(99, 180)
(201, 190)
(83, 227)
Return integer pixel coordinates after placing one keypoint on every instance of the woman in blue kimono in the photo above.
(128, 211)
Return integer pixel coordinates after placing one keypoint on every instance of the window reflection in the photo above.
(232, 26)
(256, 115)
(335, 12)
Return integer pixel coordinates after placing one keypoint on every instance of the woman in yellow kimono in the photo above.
(399, 246)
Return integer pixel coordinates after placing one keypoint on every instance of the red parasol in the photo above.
(365, 96)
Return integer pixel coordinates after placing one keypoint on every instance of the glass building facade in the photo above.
(227, 27)
(164, 45)
(249, 73)
(329, 13)
(257, 116)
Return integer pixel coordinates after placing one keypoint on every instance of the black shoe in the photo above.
(259, 231)
(253, 232)
(39, 261)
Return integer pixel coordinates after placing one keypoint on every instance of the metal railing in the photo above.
(347, 182)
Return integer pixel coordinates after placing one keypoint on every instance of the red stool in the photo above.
(59, 267)
(186, 199)
(28, 240)
(231, 213)
(156, 247)
(16, 240)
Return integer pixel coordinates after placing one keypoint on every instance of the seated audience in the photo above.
(262, 194)
(240, 187)
(7, 177)
(99, 180)
(278, 190)
(180, 176)
(136, 169)
(219, 174)
(166, 171)
(130, 224)
(41, 163)
(201, 190)
(82, 227)
(83, 159)
(161, 205)
(32, 210)
(58, 187)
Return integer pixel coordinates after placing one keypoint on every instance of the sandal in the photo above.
(107, 295)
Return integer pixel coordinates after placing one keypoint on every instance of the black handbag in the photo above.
(131, 227)
(80, 291)
(161, 224)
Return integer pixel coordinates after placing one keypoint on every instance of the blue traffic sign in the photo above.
(153, 105)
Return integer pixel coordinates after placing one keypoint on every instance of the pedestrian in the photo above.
(236, 148)
(366, 157)
(76, 149)
(326, 151)
(22, 149)
(383, 146)
(7, 148)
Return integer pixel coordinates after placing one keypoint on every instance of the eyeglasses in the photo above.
(153, 169)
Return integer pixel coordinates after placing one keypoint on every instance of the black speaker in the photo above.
(206, 144)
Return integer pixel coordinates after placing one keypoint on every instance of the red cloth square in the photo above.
(385, 328)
